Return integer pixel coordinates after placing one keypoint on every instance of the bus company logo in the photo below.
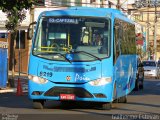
(68, 78)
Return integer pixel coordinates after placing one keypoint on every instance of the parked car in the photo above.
(139, 75)
(151, 69)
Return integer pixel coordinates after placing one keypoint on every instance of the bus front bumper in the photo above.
(77, 92)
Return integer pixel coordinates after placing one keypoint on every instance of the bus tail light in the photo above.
(101, 81)
(37, 79)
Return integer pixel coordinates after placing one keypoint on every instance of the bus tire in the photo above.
(38, 104)
(122, 99)
(106, 106)
(115, 100)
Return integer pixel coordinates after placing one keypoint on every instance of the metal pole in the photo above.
(148, 44)
(155, 32)
(19, 53)
(146, 40)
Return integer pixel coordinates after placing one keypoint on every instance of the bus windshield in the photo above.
(73, 37)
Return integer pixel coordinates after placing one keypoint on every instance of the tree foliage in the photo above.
(15, 11)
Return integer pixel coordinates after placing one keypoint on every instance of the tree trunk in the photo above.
(12, 57)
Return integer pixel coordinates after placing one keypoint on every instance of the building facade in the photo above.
(146, 14)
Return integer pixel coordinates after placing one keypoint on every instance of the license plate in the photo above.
(67, 97)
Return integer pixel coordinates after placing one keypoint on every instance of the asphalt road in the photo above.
(143, 105)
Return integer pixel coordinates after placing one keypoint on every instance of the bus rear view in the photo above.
(71, 58)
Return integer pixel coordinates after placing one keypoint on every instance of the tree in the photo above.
(16, 12)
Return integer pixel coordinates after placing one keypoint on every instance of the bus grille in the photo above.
(78, 92)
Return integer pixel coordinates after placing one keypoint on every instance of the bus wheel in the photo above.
(106, 106)
(38, 104)
(115, 94)
(122, 99)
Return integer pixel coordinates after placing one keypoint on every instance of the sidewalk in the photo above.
(23, 79)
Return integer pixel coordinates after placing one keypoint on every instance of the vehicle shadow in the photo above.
(10, 100)
(90, 108)
(151, 87)
(143, 104)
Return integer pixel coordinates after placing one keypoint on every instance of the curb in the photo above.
(12, 90)
(8, 90)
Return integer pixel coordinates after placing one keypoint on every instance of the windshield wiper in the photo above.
(63, 57)
(88, 54)
(60, 55)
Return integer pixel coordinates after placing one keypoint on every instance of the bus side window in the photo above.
(116, 41)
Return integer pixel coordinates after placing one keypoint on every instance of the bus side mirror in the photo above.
(30, 30)
(29, 33)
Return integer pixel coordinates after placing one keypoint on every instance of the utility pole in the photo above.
(155, 32)
(19, 52)
(148, 44)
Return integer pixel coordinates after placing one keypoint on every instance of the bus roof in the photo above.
(87, 12)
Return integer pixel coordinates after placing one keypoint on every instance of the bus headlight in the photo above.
(153, 70)
(37, 79)
(101, 81)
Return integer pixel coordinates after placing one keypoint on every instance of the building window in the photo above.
(22, 39)
(93, 1)
(3, 35)
(40, 2)
(59, 2)
(66, 2)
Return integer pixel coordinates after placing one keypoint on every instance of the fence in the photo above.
(3, 67)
